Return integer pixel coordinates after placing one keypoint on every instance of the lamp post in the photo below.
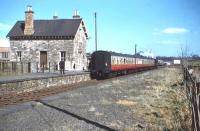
(135, 53)
(95, 18)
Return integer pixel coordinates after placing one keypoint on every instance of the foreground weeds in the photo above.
(163, 105)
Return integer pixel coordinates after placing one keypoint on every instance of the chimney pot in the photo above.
(29, 8)
(76, 14)
(55, 16)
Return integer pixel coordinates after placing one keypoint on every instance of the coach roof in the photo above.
(129, 55)
(122, 55)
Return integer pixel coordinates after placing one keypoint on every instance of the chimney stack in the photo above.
(76, 14)
(29, 22)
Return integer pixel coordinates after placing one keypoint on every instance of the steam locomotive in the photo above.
(104, 63)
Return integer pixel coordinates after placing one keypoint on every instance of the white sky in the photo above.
(4, 43)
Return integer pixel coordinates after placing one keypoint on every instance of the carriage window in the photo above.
(113, 60)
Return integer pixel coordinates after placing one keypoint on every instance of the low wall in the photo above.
(18, 86)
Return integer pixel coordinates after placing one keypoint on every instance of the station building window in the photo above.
(19, 56)
(4, 54)
(63, 55)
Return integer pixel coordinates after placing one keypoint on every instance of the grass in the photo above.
(166, 105)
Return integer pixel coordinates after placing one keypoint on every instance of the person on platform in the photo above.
(74, 66)
(62, 67)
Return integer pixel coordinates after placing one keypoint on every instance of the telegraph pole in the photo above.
(95, 18)
(135, 53)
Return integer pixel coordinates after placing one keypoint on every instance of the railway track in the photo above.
(16, 98)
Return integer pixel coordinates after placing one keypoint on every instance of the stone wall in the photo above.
(30, 52)
(18, 86)
(80, 48)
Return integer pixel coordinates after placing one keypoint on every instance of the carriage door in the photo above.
(43, 58)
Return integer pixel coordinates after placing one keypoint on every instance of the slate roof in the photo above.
(58, 27)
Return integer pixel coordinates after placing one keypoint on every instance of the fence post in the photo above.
(21, 67)
(0, 66)
(29, 67)
(192, 90)
(198, 102)
(54, 67)
(43, 67)
(3, 66)
(37, 66)
(194, 106)
(12, 67)
(15, 67)
(49, 66)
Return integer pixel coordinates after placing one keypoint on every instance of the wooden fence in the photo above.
(21, 68)
(192, 85)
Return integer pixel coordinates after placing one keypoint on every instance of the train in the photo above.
(104, 63)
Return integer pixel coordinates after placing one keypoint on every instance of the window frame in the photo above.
(19, 55)
(63, 55)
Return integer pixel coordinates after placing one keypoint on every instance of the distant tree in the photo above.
(195, 57)
(166, 58)
(184, 54)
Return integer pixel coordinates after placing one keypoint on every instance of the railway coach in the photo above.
(104, 63)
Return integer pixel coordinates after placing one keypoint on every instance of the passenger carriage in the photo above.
(104, 63)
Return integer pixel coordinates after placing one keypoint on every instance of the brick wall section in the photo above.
(19, 86)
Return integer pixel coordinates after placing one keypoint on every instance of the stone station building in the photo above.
(44, 43)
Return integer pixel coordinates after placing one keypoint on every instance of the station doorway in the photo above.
(43, 59)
